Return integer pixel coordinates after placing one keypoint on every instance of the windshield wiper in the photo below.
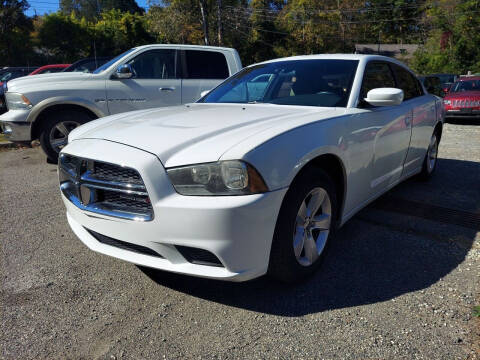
(255, 102)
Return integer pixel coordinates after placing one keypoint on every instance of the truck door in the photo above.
(154, 84)
(201, 70)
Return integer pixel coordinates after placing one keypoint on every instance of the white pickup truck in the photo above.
(48, 107)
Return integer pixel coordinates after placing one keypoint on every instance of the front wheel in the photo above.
(54, 134)
(304, 227)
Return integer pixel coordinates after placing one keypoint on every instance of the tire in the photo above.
(430, 161)
(55, 130)
(291, 259)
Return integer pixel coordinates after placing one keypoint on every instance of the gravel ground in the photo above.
(394, 286)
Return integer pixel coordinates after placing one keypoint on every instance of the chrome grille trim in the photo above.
(92, 191)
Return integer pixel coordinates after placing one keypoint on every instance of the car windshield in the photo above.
(113, 61)
(291, 82)
(467, 85)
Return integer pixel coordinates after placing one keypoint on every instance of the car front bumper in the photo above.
(459, 114)
(14, 125)
(238, 230)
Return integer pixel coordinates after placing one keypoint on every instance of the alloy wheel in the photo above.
(312, 226)
(59, 134)
(432, 153)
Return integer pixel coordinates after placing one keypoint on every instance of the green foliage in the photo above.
(15, 28)
(453, 44)
(92, 9)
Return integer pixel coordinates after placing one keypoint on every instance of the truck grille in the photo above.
(104, 188)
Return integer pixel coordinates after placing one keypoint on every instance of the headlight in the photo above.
(231, 177)
(16, 101)
(447, 102)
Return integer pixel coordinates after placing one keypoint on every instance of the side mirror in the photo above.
(385, 97)
(124, 71)
(204, 93)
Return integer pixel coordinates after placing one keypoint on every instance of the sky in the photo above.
(47, 6)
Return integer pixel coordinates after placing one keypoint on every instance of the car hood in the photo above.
(25, 83)
(196, 133)
(463, 95)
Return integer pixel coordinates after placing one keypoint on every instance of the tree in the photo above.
(15, 28)
(91, 9)
(66, 37)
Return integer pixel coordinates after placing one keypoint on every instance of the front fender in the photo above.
(63, 100)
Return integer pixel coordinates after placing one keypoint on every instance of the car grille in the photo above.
(104, 188)
(466, 103)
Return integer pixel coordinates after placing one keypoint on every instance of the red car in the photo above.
(50, 69)
(463, 98)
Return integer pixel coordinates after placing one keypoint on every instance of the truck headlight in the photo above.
(231, 177)
(16, 101)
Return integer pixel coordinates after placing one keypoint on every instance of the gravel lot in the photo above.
(395, 285)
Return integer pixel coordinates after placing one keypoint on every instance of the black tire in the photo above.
(283, 264)
(70, 118)
(427, 168)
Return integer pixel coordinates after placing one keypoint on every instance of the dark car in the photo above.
(433, 84)
(88, 64)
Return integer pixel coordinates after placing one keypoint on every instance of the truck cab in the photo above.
(48, 107)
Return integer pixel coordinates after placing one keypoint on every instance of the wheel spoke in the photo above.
(311, 252)
(62, 128)
(315, 202)
(299, 241)
(59, 142)
(302, 213)
(321, 222)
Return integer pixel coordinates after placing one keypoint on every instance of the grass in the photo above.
(2, 138)
(476, 311)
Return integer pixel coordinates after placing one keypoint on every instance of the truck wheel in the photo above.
(430, 161)
(304, 226)
(54, 134)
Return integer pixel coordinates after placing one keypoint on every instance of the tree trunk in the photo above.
(203, 10)
(219, 18)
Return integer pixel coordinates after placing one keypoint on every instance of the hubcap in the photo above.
(432, 153)
(312, 226)
(59, 134)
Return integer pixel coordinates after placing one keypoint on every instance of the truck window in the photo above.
(155, 64)
(205, 65)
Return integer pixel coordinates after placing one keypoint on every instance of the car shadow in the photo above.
(367, 263)
(460, 121)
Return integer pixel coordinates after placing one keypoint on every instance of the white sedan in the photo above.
(256, 176)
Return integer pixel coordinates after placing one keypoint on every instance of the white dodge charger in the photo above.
(257, 175)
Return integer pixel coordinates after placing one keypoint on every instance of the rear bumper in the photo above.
(237, 230)
(15, 126)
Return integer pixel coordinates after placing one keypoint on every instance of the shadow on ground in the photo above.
(367, 263)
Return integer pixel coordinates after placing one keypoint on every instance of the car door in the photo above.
(390, 127)
(154, 83)
(423, 115)
(201, 70)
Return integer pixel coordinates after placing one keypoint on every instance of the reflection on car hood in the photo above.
(23, 84)
(197, 132)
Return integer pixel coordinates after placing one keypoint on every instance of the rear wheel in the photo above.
(430, 161)
(54, 134)
(305, 224)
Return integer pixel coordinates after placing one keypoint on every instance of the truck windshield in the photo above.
(290, 82)
(113, 61)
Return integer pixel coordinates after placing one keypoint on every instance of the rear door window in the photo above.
(199, 64)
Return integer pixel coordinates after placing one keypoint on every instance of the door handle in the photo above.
(166, 89)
